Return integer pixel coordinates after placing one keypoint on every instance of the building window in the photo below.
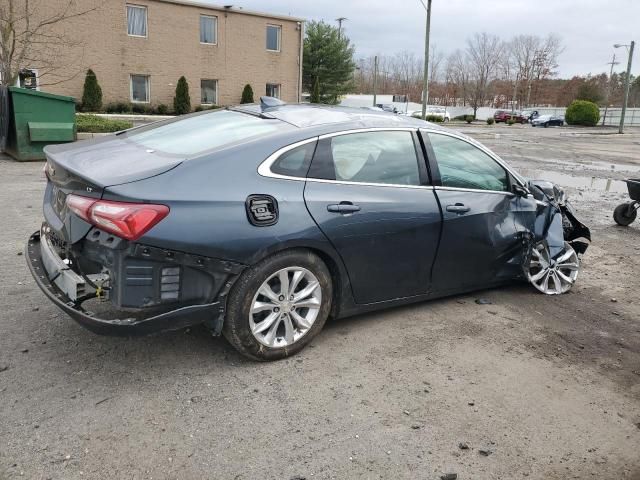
(140, 88)
(28, 78)
(136, 21)
(273, 37)
(273, 90)
(208, 29)
(208, 92)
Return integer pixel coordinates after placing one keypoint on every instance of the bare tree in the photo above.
(32, 34)
(458, 77)
(483, 54)
(435, 60)
(533, 59)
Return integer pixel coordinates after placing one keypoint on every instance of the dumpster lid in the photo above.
(27, 91)
(51, 131)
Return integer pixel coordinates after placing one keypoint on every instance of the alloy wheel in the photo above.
(553, 276)
(285, 307)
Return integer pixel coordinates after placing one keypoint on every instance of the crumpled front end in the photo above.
(552, 262)
(573, 232)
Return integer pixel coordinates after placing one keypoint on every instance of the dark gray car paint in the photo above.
(392, 250)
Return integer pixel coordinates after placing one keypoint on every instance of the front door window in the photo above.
(463, 165)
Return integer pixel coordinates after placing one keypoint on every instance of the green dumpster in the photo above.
(37, 119)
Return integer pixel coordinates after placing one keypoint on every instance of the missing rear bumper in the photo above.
(211, 313)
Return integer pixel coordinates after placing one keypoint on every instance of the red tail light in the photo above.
(125, 220)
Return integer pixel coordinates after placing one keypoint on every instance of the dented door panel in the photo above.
(479, 246)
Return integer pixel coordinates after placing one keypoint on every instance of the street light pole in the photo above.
(425, 84)
(626, 84)
(340, 20)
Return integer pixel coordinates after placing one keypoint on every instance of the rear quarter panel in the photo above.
(207, 200)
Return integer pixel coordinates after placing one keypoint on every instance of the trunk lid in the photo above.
(88, 168)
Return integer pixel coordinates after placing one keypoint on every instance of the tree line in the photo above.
(488, 72)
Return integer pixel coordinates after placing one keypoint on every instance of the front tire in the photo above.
(279, 305)
(553, 276)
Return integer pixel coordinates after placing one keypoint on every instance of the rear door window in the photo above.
(386, 157)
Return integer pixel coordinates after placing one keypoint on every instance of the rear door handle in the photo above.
(458, 208)
(343, 207)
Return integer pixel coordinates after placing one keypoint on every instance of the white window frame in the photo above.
(215, 101)
(215, 30)
(148, 77)
(146, 19)
(279, 27)
(278, 86)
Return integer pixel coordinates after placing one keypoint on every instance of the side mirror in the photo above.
(519, 190)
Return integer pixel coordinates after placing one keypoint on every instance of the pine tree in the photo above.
(328, 60)
(247, 94)
(182, 101)
(315, 93)
(91, 93)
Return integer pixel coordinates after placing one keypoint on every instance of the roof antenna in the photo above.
(268, 102)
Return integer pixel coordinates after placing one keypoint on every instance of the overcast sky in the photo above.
(588, 28)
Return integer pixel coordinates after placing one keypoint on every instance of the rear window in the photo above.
(206, 131)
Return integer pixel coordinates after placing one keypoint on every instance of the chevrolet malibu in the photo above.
(263, 221)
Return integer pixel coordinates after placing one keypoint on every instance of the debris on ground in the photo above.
(483, 301)
(463, 446)
(449, 476)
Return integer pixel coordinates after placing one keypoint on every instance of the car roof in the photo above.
(313, 115)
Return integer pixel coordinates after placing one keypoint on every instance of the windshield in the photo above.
(197, 133)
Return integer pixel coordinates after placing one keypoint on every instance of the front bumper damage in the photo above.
(150, 289)
(556, 221)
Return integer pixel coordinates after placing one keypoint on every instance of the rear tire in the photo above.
(622, 217)
(286, 329)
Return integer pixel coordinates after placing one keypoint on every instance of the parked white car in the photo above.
(434, 111)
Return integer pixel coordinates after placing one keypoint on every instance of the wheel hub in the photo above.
(553, 276)
(285, 307)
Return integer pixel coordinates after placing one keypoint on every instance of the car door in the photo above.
(369, 193)
(481, 243)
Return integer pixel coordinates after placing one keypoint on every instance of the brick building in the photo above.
(139, 48)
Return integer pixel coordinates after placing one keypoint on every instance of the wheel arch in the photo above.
(339, 277)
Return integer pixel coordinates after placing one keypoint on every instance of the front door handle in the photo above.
(343, 207)
(458, 208)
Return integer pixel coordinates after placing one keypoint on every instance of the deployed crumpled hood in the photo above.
(110, 160)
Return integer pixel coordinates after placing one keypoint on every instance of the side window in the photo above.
(136, 20)
(208, 29)
(371, 157)
(295, 162)
(462, 165)
(273, 37)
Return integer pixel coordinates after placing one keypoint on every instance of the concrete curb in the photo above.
(133, 117)
(87, 136)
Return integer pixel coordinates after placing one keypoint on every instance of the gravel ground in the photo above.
(527, 386)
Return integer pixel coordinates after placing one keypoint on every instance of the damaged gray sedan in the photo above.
(262, 221)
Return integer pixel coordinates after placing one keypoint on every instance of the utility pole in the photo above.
(375, 78)
(515, 92)
(627, 82)
(425, 84)
(606, 101)
(340, 20)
